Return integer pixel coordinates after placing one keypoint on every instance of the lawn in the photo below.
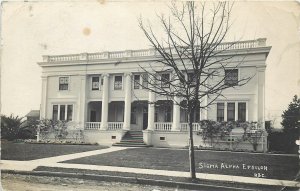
(229, 163)
(26, 151)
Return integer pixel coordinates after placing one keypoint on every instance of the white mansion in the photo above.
(102, 93)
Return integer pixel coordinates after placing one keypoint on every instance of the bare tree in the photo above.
(192, 51)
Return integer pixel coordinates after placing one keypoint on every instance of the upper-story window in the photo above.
(136, 83)
(191, 78)
(140, 81)
(63, 83)
(165, 80)
(145, 81)
(95, 83)
(118, 83)
(231, 77)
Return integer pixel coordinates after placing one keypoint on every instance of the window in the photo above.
(230, 111)
(133, 115)
(118, 83)
(242, 111)
(62, 112)
(145, 81)
(63, 83)
(231, 77)
(93, 116)
(195, 118)
(165, 80)
(136, 84)
(95, 83)
(220, 111)
(192, 78)
(168, 114)
(69, 112)
(55, 112)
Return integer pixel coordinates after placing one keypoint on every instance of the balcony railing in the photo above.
(92, 125)
(115, 126)
(162, 126)
(147, 52)
(185, 127)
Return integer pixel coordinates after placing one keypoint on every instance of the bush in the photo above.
(11, 127)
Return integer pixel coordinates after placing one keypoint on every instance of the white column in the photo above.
(127, 110)
(261, 96)
(82, 103)
(247, 111)
(151, 108)
(66, 109)
(225, 111)
(43, 106)
(105, 92)
(236, 109)
(203, 111)
(176, 114)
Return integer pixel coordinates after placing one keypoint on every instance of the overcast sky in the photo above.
(32, 29)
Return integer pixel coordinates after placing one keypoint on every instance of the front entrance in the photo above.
(139, 115)
(145, 118)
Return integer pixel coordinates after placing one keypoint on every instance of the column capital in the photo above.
(127, 74)
(105, 74)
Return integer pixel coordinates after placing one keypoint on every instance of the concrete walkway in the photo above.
(54, 162)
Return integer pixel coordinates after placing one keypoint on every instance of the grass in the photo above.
(278, 166)
(26, 151)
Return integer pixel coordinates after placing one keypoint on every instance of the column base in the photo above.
(147, 136)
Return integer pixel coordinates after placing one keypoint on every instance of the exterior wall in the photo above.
(117, 104)
(180, 140)
(103, 137)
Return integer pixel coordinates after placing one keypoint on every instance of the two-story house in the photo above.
(102, 92)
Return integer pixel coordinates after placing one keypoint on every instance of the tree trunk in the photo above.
(191, 149)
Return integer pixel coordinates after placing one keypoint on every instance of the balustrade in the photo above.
(115, 125)
(163, 126)
(92, 125)
(149, 52)
(185, 127)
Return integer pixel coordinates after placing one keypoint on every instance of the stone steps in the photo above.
(132, 139)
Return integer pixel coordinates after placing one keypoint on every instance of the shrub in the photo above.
(11, 127)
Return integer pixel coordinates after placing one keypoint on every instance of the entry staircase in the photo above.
(132, 139)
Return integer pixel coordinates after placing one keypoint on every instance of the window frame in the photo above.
(164, 84)
(121, 88)
(240, 113)
(222, 118)
(99, 83)
(66, 112)
(233, 109)
(136, 83)
(236, 109)
(66, 84)
(226, 81)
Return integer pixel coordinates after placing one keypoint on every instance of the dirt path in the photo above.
(38, 183)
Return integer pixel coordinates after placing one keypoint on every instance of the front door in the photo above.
(145, 117)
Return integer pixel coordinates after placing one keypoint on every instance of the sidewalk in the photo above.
(55, 162)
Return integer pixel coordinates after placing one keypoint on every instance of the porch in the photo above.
(163, 117)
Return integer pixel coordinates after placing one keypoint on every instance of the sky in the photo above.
(32, 29)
